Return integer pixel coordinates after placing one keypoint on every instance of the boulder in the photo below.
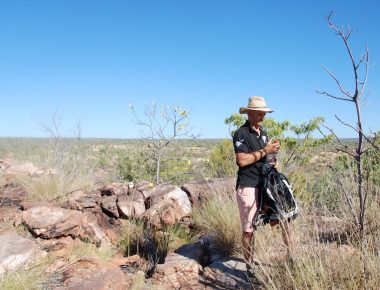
(109, 205)
(18, 252)
(115, 188)
(82, 200)
(55, 222)
(110, 226)
(166, 212)
(197, 190)
(131, 205)
(165, 190)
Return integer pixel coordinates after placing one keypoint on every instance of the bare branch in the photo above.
(359, 131)
(338, 82)
(364, 83)
(348, 149)
(332, 96)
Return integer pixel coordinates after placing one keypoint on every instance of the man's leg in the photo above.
(247, 240)
(246, 198)
(287, 234)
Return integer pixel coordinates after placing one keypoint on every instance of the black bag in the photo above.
(277, 202)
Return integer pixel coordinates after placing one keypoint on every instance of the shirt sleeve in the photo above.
(240, 142)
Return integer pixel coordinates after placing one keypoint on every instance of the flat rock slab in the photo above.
(178, 272)
(227, 273)
(17, 252)
(93, 274)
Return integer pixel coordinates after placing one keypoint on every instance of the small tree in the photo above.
(353, 97)
(163, 124)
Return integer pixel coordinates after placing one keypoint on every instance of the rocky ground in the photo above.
(99, 217)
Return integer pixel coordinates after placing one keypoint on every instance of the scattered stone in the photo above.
(18, 252)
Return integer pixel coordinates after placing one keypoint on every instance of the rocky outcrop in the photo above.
(18, 252)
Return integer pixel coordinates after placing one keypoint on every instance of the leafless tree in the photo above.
(364, 141)
(163, 124)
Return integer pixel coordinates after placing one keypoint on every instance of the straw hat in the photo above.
(256, 104)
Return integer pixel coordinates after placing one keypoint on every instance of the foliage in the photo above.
(221, 162)
(235, 121)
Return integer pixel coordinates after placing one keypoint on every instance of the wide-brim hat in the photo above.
(256, 104)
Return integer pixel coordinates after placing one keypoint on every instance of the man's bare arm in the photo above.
(244, 159)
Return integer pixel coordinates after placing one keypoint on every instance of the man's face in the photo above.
(256, 117)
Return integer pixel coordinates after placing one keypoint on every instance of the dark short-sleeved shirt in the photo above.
(246, 140)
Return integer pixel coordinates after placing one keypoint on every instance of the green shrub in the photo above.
(221, 162)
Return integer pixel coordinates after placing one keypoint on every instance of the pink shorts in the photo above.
(247, 198)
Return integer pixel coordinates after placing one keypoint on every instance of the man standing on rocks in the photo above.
(251, 146)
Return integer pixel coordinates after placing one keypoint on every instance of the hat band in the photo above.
(257, 108)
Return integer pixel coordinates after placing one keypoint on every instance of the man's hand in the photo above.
(272, 147)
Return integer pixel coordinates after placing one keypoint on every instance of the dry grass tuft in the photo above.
(218, 216)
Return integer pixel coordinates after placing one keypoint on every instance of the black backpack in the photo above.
(277, 202)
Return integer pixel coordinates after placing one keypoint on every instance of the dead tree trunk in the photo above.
(354, 97)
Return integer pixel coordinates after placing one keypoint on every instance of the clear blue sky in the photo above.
(90, 59)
